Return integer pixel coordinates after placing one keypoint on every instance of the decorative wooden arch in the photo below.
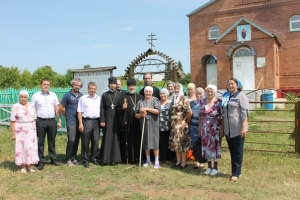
(176, 72)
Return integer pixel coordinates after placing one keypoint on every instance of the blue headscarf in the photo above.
(226, 95)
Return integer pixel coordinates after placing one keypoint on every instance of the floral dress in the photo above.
(179, 139)
(211, 122)
(26, 149)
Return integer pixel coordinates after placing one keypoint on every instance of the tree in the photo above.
(44, 72)
(26, 79)
(168, 74)
(61, 81)
(87, 66)
(69, 77)
(180, 65)
(9, 77)
(186, 79)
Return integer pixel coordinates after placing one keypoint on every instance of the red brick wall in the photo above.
(282, 65)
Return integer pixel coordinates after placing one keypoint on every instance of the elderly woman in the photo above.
(195, 110)
(210, 121)
(181, 113)
(170, 86)
(194, 123)
(23, 128)
(164, 125)
(236, 112)
(148, 111)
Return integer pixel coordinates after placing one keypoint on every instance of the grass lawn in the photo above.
(265, 176)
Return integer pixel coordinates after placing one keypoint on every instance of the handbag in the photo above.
(197, 151)
(189, 155)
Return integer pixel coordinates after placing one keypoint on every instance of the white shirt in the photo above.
(45, 104)
(89, 106)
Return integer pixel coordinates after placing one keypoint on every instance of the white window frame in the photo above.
(211, 38)
(294, 21)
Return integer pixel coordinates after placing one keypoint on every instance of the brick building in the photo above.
(256, 41)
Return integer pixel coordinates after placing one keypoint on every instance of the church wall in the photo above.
(282, 62)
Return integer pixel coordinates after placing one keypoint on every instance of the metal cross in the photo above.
(151, 39)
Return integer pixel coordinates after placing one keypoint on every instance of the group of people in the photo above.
(164, 121)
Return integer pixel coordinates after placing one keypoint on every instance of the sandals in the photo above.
(233, 179)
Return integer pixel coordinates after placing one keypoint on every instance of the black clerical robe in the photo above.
(131, 132)
(155, 92)
(111, 115)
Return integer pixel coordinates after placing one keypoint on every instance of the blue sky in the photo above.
(68, 34)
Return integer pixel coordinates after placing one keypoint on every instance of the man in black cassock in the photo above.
(110, 120)
(131, 133)
(148, 82)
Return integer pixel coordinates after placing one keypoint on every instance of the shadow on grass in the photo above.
(9, 165)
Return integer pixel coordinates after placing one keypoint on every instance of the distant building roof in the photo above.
(94, 69)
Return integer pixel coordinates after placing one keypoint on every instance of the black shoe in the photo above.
(85, 164)
(181, 167)
(94, 161)
(177, 166)
(54, 162)
(40, 166)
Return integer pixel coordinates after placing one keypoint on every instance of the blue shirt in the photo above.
(70, 101)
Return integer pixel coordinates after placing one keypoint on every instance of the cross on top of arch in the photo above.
(151, 40)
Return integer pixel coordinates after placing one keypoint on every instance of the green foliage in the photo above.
(69, 77)
(180, 65)
(291, 96)
(9, 77)
(186, 79)
(44, 72)
(26, 79)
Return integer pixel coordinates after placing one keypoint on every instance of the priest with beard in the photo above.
(110, 118)
(131, 132)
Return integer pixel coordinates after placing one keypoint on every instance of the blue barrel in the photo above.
(267, 97)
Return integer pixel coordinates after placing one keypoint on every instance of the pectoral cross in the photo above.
(112, 106)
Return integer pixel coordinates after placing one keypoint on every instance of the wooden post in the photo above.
(297, 127)
(130, 73)
(174, 75)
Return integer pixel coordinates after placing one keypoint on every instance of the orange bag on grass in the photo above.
(189, 155)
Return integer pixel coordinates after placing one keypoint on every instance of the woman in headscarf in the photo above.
(194, 123)
(210, 122)
(23, 128)
(148, 111)
(236, 113)
(180, 117)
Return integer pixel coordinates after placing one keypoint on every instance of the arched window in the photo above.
(243, 52)
(295, 23)
(213, 32)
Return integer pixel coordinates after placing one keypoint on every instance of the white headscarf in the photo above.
(148, 88)
(211, 86)
(23, 92)
(180, 93)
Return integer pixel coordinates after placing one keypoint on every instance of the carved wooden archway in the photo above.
(175, 72)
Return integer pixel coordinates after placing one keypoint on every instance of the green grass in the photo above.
(265, 175)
